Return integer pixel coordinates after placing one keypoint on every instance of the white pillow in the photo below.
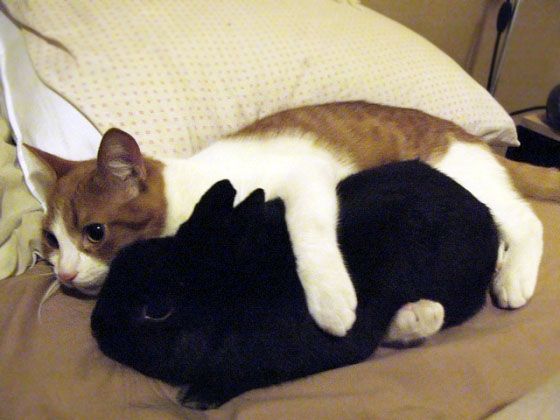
(179, 74)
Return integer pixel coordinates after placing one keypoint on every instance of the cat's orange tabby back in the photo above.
(372, 135)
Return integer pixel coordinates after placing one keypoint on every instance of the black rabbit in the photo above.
(219, 309)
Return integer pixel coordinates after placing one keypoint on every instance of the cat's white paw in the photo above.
(513, 289)
(515, 282)
(332, 305)
(415, 321)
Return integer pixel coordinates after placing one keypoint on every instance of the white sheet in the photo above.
(36, 114)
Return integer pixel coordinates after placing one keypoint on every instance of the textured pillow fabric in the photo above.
(178, 74)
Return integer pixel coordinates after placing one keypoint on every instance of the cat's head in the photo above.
(163, 296)
(98, 206)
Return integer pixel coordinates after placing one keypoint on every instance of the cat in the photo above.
(218, 306)
(92, 212)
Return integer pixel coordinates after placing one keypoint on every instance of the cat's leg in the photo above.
(312, 217)
(415, 322)
(475, 168)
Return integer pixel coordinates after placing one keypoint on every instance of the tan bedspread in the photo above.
(54, 370)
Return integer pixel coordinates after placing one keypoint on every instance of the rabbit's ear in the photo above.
(219, 198)
(214, 207)
(253, 205)
(250, 212)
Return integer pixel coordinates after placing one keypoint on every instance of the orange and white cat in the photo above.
(96, 207)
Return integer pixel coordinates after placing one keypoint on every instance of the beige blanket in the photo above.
(20, 213)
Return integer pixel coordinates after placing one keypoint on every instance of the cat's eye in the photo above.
(155, 312)
(95, 232)
(50, 239)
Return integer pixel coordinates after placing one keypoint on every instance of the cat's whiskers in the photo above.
(53, 275)
(52, 289)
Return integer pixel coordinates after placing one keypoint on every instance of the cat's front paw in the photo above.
(519, 261)
(333, 306)
(415, 322)
(512, 290)
(515, 282)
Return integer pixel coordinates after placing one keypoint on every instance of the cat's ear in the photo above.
(44, 169)
(57, 165)
(214, 207)
(119, 156)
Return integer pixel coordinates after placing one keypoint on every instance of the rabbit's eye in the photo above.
(154, 312)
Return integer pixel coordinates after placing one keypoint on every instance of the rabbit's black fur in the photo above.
(239, 318)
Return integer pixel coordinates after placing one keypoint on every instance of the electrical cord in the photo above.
(502, 22)
(531, 108)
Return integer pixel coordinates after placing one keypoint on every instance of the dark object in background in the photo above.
(553, 108)
(539, 143)
(219, 308)
(535, 149)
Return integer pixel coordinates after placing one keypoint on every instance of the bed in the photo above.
(177, 75)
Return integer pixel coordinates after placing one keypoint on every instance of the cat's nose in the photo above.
(67, 277)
